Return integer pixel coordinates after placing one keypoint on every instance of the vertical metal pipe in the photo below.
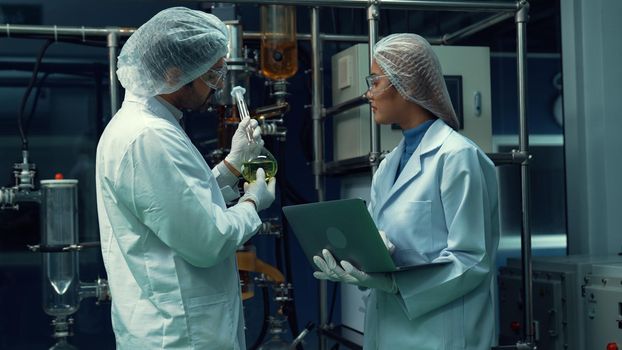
(316, 103)
(374, 142)
(113, 45)
(318, 138)
(522, 16)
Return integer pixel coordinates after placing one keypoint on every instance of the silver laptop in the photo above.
(346, 229)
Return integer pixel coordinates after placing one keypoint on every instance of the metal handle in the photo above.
(477, 103)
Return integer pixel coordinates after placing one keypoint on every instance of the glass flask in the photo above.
(59, 228)
(257, 156)
(279, 50)
(264, 160)
(276, 329)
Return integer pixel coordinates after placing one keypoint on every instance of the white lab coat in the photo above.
(168, 240)
(443, 205)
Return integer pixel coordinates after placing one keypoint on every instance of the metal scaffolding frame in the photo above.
(81, 34)
(501, 11)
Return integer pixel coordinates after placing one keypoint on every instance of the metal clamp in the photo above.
(317, 167)
(282, 292)
(271, 226)
(372, 10)
(62, 327)
(103, 291)
(517, 346)
(374, 158)
(7, 198)
(522, 15)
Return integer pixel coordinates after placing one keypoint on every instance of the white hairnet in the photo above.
(413, 69)
(172, 49)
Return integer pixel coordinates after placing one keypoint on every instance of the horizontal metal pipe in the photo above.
(78, 32)
(475, 27)
(11, 30)
(349, 104)
(514, 157)
(14, 29)
(306, 36)
(337, 37)
(394, 4)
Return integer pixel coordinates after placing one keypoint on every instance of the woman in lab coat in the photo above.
(435, 198)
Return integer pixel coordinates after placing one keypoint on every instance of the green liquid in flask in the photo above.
(249, 169)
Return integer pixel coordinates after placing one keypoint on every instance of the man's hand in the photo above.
(241, 149)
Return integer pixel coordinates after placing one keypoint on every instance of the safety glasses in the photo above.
(215, 76)
(372, 84)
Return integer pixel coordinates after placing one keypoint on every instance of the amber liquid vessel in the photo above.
(279, 50)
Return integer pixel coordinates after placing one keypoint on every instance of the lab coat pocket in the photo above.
(211, 323)
(412, 236)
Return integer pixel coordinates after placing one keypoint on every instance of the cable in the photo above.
(285, 249)
(33, 80)
(292, 194)
(266, 317)
(35, 101)
(39, 86)
(332, 303)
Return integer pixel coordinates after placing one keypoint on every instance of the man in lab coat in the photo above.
(434, 197)
(168, 240)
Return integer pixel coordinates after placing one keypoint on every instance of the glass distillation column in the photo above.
(279, 50)
(278, 62)
(62, 290)
(59, 228)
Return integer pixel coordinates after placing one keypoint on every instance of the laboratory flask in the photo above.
(256, 156)
(59, 230)
(264, 160)
(279, 50)
(276, 329)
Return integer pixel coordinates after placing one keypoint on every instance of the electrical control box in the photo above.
(603, 307)
(559, 305)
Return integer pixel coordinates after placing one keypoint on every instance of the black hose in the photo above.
(291, 306)
(31, 84)
(292, 194)
(35, 101)
(332, 304)
(266, 318)
(278, 242)
(99, 105)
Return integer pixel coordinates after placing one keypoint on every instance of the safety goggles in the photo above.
(372, 84)
(215, 77)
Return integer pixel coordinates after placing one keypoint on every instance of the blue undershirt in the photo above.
(412, 139)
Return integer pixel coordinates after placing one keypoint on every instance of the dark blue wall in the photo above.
(541, 94)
